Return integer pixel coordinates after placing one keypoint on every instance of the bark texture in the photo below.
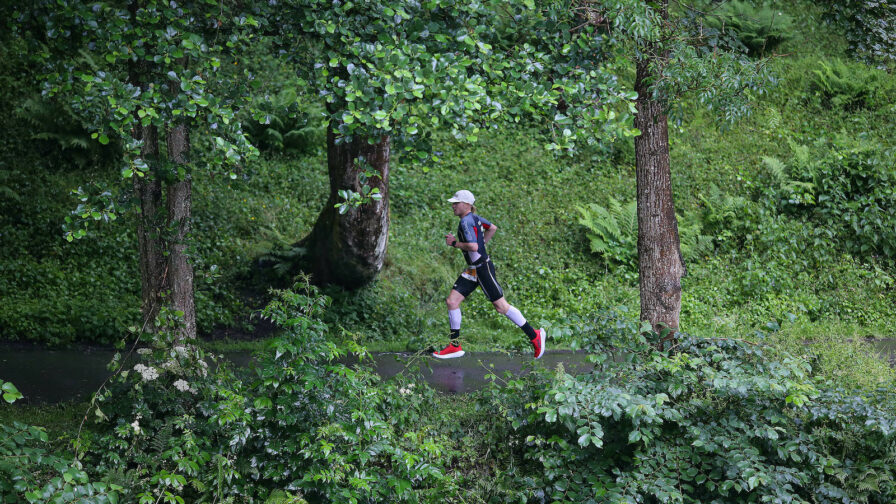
(349, 249)
(660, 266)
(179, 200)
(148, 190)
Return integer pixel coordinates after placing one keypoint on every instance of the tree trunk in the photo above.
(148, 189)
(660, 266)
(349, 249)
(180, 271)
(150, 222)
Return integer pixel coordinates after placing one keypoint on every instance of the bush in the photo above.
(848, 85)
(869, 27)
(718, 420)
(304, 421)
(761, 29)
(847, 192)
(31, 472)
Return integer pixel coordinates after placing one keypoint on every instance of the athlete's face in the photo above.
(460, 208)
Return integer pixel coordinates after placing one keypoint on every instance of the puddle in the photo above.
(51, 376)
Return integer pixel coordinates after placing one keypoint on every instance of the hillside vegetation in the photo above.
(770, 394)
(784, 218)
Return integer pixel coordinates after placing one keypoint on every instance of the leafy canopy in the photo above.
(123, 66)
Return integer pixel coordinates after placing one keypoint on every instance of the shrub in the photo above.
(334, 431)
(761, 29)
(717, 420)
(847, 85)
(870, 26)
(31, 472)
(303, 421)
(846, 191)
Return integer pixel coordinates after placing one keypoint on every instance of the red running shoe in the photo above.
(449, 352)
(538, 343)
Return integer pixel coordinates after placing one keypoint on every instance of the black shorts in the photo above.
(485, 278)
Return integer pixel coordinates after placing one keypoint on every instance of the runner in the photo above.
(473, 232)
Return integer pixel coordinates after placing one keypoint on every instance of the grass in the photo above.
(61, 421)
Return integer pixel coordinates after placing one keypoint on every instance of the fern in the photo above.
(776, 168)
(612, 231)
(794, 192)
(846, 85)
(801, 157)
(159, 442)
(58, 124)
(760, 29)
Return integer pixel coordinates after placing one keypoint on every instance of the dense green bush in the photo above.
(849, 85)
(846, 191)
(870, 26)
(31, 472)
(717, 420)
(760, 28)
(303, 421)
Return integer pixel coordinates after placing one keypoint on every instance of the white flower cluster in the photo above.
(148, 373)
(136, 425)
(183, 386)
(407, 390)
(171, 365)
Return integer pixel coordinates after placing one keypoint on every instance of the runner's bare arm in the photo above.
(451, 241)
(489, 233)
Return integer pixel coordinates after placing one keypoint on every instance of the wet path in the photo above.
(51, 376)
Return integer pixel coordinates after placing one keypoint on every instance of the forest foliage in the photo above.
(770, 395)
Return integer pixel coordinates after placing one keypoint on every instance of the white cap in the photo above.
(462, 196)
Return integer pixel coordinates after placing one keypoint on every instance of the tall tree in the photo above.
(147, 73)
(660, 264)
(674, 55)
(591, 45)
(390, 73)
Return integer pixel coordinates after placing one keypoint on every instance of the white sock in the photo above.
(454, 319)
(514, 315)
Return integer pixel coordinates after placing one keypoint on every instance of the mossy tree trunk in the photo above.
(349, 249)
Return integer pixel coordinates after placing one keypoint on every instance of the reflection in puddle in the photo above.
(448, 380)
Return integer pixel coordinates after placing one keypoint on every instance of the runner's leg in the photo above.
(488, 280)
(454, 300)
(515, 316)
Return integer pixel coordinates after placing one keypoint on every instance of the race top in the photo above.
(471, 229)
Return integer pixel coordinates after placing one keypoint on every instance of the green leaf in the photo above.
(10, 392)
